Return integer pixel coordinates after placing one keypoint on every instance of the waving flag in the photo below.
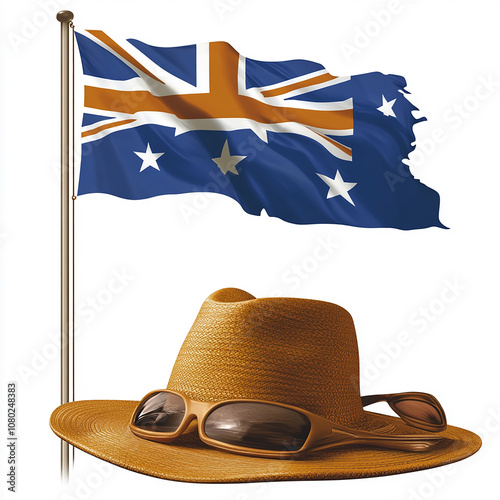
(287, 137)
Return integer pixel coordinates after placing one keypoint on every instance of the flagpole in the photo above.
(65, 17)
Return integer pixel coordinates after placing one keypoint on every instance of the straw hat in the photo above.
(294, 351)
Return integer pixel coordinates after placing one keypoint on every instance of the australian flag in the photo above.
(285, 137)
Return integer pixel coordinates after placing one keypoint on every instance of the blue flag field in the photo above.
(287, 137)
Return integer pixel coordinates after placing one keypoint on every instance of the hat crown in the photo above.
(294, 351)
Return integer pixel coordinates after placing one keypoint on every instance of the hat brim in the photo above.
(101, 428)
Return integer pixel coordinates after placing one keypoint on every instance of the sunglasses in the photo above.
(275, 430)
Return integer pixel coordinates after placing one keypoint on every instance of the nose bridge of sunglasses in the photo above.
(196, 411)
(197, 408)
(192, 426)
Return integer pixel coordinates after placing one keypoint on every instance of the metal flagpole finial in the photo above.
(65, 16)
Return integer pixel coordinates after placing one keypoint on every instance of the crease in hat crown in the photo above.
(295, 351)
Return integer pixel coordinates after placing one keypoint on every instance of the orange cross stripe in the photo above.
(293, 86)
(106, 126)
(223, 100)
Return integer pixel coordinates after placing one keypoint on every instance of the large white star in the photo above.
(148, 158)
(338, 187)
(386, 107)
(227, 162)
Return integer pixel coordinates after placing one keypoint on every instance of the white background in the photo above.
(386, 278)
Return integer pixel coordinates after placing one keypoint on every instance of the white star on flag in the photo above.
(386, 107)
(338, 187)
(227, 162)
(148, 158)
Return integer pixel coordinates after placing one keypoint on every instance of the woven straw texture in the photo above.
(295, 351)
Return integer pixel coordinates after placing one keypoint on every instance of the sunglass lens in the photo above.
(261, 426)
(419, 410)
(161, 412)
